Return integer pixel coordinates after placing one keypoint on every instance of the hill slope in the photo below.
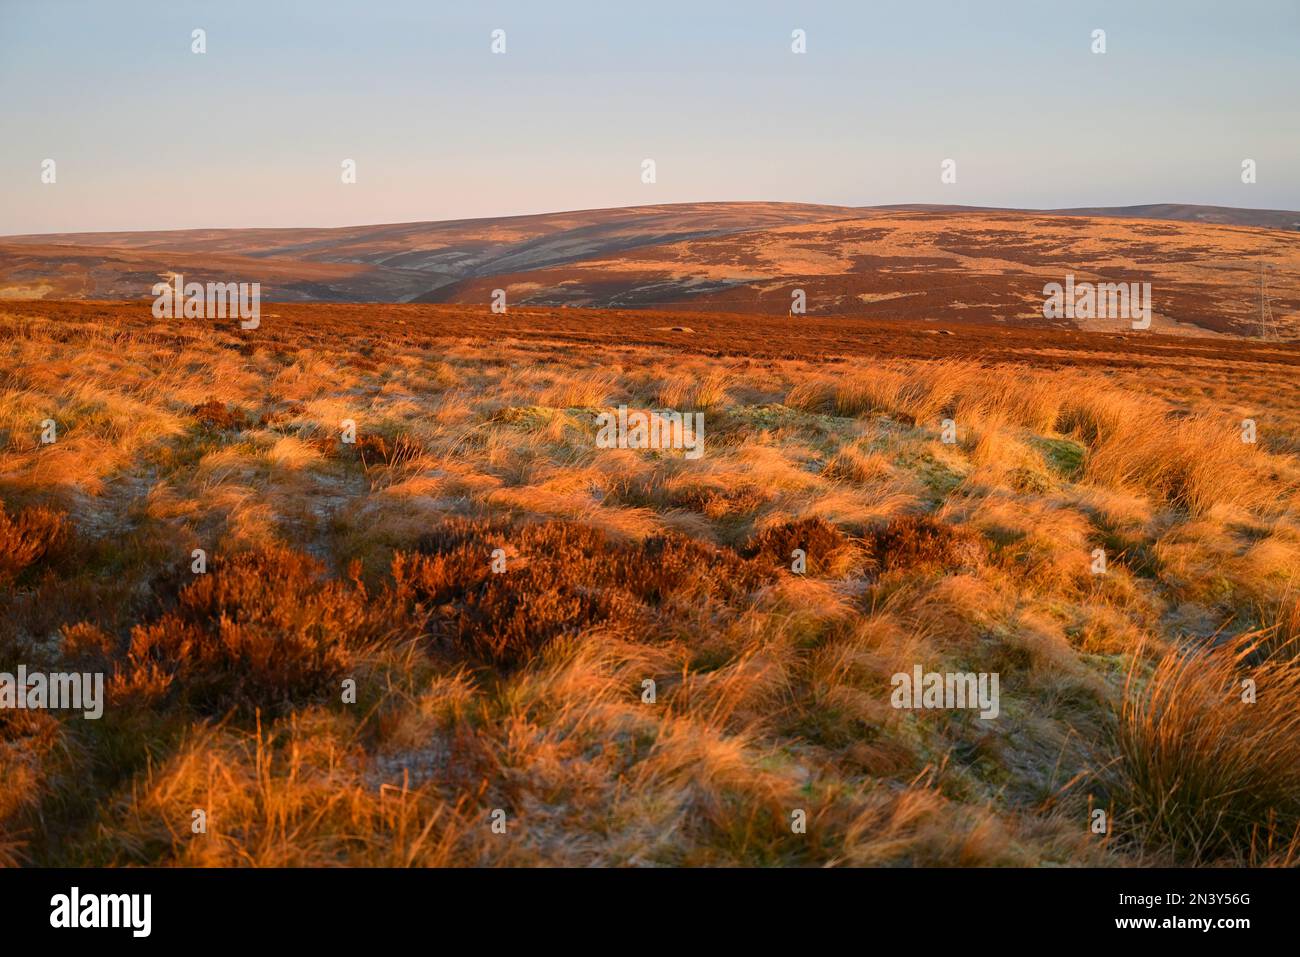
(949, 263)
(956, 266)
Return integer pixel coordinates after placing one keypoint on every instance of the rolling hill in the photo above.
(957, 264)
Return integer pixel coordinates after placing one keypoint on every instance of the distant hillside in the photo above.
(400, 260)
(957, 264)
(954, 266)
(1183, 212)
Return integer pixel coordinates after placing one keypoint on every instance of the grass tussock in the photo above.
(1208, 760)
(694, 392)
(1193, 464)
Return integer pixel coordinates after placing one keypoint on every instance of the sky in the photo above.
(147, 134)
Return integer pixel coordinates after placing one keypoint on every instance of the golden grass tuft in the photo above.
(588, 389)
(1194, 464)
(1209, 753)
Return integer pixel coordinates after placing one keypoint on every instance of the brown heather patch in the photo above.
(825, 546)
(29, 539)
(219, 417)
(718, 503)
(262, 629)
(561, 579)
(920, 542)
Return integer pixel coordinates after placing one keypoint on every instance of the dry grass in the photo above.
(1194, 464)
(705, 390)
(1209, 754)
(615, 647)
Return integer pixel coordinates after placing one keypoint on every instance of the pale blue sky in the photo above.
(147, 134)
